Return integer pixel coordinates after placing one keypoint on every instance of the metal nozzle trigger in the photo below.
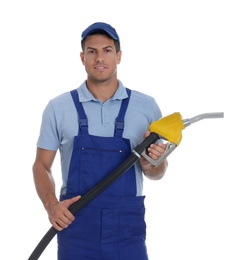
(170, 147)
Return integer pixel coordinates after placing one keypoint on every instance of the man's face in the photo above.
(100, 58)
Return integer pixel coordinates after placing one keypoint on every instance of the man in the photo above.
(95, 127)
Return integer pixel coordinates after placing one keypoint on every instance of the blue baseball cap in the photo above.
(99, 27)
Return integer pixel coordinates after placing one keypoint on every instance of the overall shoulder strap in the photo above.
(119, 124)
(82, 118)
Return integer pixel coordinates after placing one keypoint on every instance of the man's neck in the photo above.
(102, 90)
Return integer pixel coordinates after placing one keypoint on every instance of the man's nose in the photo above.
(100, 57)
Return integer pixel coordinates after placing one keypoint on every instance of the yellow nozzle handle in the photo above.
(169, 128)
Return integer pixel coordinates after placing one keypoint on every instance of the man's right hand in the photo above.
(59, 215)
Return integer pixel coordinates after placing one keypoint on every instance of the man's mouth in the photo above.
(100, 67)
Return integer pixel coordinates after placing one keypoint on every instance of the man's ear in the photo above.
(82, 57)
(119, 55)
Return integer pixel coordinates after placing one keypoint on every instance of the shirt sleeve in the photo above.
(156, 112)
(48, 137)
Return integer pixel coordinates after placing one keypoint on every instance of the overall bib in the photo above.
(112, 225)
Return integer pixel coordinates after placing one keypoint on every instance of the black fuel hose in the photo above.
(91, 194)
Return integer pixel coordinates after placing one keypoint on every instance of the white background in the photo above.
(192, 57)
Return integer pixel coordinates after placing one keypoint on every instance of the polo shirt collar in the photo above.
(85, 95)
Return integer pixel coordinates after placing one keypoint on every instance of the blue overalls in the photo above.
(111, 226)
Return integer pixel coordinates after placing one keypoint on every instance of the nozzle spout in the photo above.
(195, 119)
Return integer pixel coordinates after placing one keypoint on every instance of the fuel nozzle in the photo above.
(170, 129)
